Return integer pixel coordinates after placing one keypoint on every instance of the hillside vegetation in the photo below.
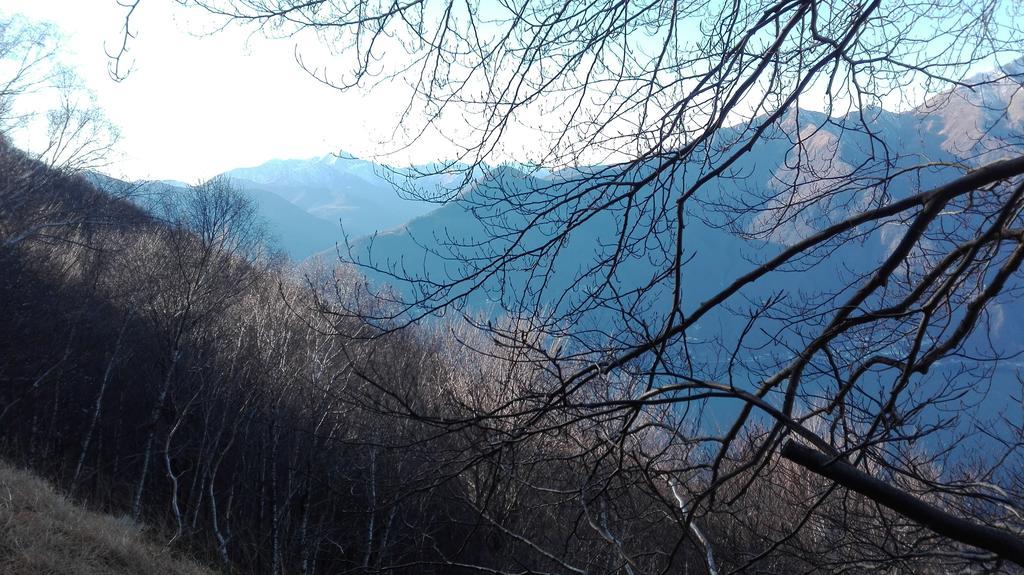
(269, 421)
(693, 328)
(41, 531)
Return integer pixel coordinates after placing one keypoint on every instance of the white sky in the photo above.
(197, 105)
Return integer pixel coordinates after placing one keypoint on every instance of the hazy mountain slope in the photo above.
(291, 229)
(978, 124)
(430, 247)
(422, 248)
(354, 192)
(43, 532)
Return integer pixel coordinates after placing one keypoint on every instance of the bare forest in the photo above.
(751, 302)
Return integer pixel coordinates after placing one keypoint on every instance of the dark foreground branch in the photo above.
(1006, 545)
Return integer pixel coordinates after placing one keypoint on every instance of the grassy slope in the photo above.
(41, 532)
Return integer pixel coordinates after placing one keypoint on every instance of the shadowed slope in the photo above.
(42, 532)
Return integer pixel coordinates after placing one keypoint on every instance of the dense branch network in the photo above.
(863, 307)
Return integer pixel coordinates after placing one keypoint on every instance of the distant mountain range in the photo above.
(966, 126)
(293, 230)
(308, 203)
(358, 194)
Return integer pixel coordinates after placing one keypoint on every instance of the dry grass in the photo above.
(42, 533)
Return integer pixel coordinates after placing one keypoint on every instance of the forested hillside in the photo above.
(167, 369)
(712, 288)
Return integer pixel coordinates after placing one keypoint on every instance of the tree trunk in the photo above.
(154, 420)
(98, 405)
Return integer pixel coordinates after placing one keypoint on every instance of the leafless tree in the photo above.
(725, 164)
(184, 274)
(28, 53)
(44, 104)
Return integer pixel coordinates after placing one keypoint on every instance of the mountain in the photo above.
(972, 126)
(362, 196)
(307, 203)
(295, 231)
(978, 123)
(292, 230)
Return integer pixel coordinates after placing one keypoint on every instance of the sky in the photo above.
(197, 104)
(200, 101)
